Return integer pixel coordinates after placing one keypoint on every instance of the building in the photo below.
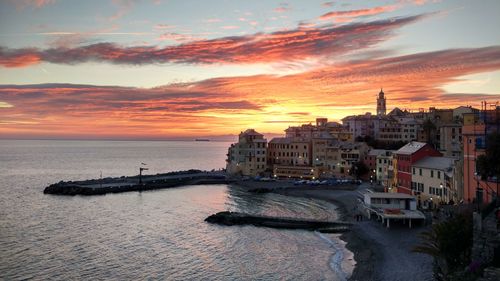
(405, 157)
(290, 157)
(381, 109)
(339, 132)
(385, 169)
(397, 126)
(450, 143)
(362, 125)
(458, 113)
(247, 157)
(476, 128)
(392, 206)
(370, 160)
(433, 180)
(289, 151)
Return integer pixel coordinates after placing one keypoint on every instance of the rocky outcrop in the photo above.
(260, 190)
(235, 218)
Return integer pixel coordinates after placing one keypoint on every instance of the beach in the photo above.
(380, 253)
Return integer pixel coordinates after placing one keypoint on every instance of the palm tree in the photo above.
(450, 244)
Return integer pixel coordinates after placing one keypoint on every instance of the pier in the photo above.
(136, 183)
(235, 218)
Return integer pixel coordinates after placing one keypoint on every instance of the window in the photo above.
(432, 173)
(413, 170)
(439, 174)
(420, 172)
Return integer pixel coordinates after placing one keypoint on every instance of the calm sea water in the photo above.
(156, 235)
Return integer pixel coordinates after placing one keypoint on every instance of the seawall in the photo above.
(136, 183)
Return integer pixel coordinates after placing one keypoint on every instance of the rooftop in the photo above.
(252, 132)
(376, 152)
(411, 147)
(287, 140)
(396, 112)
(391, 195)
(437, 163)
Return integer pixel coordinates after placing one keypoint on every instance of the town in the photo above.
(436, 168)
(430, 154)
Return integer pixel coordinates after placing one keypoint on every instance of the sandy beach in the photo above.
(380, 253)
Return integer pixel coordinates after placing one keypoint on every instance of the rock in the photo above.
(235, 218)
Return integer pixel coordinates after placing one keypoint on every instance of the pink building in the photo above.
(475, 131)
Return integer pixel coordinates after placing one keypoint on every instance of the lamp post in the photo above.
(441, 193)
(140, 172)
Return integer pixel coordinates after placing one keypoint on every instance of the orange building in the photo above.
(475, 131)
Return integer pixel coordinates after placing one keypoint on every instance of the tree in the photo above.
(358, 169)
(450, 244)
(488, 164)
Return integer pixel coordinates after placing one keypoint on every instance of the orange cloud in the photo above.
(296, 44)
(228, 104)
(359, 13)
(19, 58)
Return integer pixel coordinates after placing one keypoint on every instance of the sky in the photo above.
(182, 69)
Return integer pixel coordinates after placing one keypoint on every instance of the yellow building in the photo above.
(248, 156)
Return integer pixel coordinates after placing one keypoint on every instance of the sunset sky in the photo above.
(173, 69)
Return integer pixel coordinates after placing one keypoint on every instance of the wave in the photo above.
(337, 258)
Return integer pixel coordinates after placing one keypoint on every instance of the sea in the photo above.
(153, 235)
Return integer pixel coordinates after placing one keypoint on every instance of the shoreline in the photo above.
(365, 252)
(379, 253)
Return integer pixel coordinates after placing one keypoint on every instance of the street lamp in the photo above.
(441, 193)
(140, 172)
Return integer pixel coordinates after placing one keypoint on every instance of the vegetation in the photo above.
(358, 169)
(377, 144)
(488, 165)
(450, 244)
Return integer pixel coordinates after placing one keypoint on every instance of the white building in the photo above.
(248, 156)
(392, 206)
(432, 180)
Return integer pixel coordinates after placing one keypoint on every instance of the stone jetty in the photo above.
(136, 183)
(236, 218)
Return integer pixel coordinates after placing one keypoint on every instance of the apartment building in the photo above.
(248, 156)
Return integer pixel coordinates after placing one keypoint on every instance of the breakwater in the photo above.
(136, 183)
(236, 218)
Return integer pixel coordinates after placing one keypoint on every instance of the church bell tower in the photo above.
(381, 103)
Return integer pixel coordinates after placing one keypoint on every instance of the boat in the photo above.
(202, 140)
